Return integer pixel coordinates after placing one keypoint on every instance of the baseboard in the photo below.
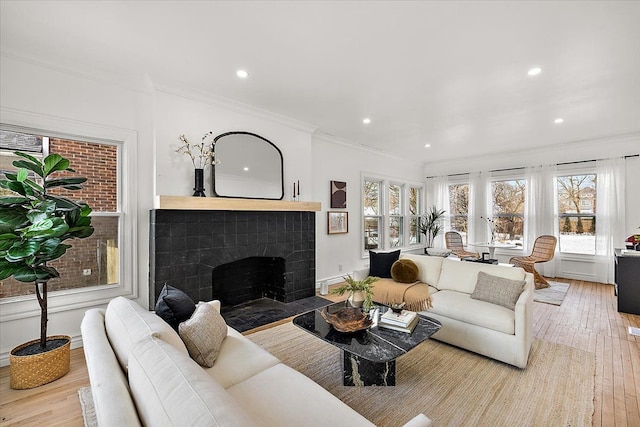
(76, 342)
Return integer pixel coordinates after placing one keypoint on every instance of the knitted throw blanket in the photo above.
(414, 295)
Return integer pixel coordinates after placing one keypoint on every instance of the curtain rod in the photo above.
(522, 167)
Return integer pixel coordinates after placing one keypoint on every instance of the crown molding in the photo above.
(358, 146)
(230, 104)
(123, 81)
(581, 150)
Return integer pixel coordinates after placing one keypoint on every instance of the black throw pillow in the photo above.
(174, 306)
(380, 263)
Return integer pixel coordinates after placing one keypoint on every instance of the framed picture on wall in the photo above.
(337, 222)
(338, 195)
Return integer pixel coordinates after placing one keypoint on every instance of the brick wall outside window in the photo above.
(98, 163)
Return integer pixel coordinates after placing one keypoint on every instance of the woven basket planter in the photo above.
(37, 369)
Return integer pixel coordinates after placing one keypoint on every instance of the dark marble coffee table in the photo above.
(369, 356)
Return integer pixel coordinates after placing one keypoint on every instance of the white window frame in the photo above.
(385, 182)
(510, 177)
(450, 216)
(25, 306)
(571, 170)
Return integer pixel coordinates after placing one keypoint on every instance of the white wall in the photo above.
(39, 94)
(333, 161)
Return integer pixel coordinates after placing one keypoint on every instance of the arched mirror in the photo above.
(247, 166)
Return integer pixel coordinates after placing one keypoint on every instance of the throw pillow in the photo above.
(498, 290)
(203, 334)
(404, 271)
(174, 306)
(380, 263)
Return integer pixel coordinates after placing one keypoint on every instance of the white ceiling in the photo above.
(451, 74)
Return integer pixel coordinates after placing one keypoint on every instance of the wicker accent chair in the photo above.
(543, 250)
(453, 241)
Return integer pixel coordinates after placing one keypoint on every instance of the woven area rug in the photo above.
(88, 410)
(451, 386)
(554, 294)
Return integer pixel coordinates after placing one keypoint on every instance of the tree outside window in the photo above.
(577, 213)
(508, 210)
(396, 223)
(372, 214)
(415, 206)
(459, 209)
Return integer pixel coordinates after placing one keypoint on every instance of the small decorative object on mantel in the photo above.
(296, 192)
(338, 195)
(201, 155)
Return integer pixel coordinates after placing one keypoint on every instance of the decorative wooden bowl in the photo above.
(347, 319)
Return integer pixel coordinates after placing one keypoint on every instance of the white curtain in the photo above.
(610, 213)
(479, 206)
(438, 195)
(540, 206)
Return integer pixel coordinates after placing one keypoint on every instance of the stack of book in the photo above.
(405, 321)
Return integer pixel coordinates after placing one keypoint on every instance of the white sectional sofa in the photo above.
(482, 327)
(141, 374)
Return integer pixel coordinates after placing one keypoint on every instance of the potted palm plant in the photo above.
(33, 226)
(431, 225)
(360, 291)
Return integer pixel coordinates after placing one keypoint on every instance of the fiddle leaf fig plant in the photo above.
(34, 224)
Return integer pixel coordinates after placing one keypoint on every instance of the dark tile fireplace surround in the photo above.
(187, 245)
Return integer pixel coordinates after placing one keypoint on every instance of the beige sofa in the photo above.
(141, 374)
(482, 327)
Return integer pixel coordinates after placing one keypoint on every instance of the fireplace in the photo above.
(188, 248)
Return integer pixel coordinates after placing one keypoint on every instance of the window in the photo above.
(92, 261)
(396, 218)
(391, 213)
(508, 210)
(372, 214)
(459, 209)
(577, 213)
(415, 207)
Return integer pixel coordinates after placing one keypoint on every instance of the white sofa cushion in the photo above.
(170, 389)
(127, 323)
(281, 396)
(429, 267)
(461, 276)
(460, 306)
(203, 334)
(239, 359)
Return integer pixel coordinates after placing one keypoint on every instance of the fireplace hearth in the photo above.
(186, 246)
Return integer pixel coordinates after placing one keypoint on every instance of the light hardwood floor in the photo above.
(587, 320)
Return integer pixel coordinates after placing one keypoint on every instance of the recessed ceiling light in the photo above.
(366, 120)
(558, 120)
(245, 169)
(534, 71)
(242, 74)
(427, 145)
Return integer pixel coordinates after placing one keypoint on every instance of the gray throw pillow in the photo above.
(498, 290)
(203, 334)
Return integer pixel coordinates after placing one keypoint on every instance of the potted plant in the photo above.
(431, 225)
(33, 226)
(360, 291)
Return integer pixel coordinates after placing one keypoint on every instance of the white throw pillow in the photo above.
(203, 334)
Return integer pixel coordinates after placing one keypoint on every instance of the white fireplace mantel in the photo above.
(229, 204)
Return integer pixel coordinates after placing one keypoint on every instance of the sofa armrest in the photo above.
(112, 402)
(524, 314)
(420, 420)
(360, 274)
